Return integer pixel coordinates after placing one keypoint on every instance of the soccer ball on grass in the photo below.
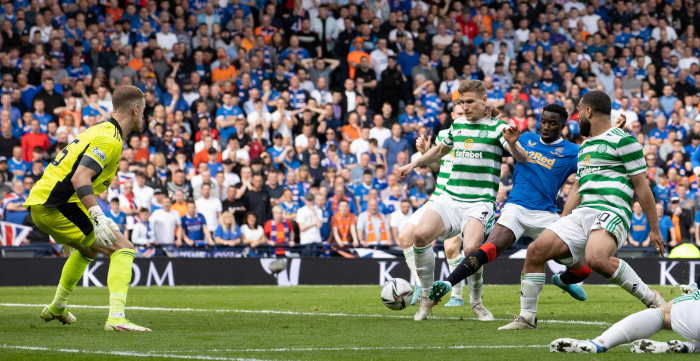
(397, 294)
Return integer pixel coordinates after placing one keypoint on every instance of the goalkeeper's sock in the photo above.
(628, 279)
(425, 267)
(452, 264)
(411, 262)
(531, 285)
(118, 280)
(476, 284)
(570, 277)
(72, 271)
(642, 324)
(473, 262)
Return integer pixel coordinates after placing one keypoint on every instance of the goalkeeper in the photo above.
(63, 204)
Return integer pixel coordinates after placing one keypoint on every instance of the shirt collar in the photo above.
(116, 125)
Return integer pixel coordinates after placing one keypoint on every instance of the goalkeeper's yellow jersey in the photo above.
(102, 143)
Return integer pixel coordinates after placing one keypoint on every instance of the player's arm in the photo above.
(434, 154)
(573, 200)
(646, 200)
(208, 238)
(511, 135)
(104, 227)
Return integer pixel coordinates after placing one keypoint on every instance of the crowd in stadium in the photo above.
(285, 122)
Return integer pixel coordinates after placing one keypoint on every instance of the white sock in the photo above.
(451, 265)
(531, 285)
(626, 278)
(425, 267)
(693, 346)
(476, 282)
(411, 262)
(638, 325)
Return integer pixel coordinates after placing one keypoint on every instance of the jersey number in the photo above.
(55, 163)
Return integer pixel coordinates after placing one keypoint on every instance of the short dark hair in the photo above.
(598, 101)
(556, 108)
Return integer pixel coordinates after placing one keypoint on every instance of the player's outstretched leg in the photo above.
(406, 243)
(454, 257)
(568, 280)
(430, 227)
(640, 325)
(118, 279)
(72, 271)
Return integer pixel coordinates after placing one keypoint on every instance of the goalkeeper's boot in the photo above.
(574, 290)
(440, 289)
(417, 290)
(54, 313)
(454, 302)
(571, 345)
(122, 324)
(650, 346)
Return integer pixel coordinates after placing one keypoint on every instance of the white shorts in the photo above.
(575, 228)
(455, 214)
(416, 216)
(685, 318)
(523, 221)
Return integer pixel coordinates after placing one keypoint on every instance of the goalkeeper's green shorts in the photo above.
(67, 223)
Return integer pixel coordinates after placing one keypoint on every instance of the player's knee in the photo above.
(405, 240)
(597, 261)
(451, 252)
(536, 253)
(422, 237)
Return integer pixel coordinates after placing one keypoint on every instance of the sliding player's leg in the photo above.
(121, 255)
(68, 227)
(606, 237)
(454, 256)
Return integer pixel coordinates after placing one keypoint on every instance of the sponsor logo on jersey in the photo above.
(590, 170)
(587, 160)
(96, 151)
(469, 154)
(531, 143)
(538, 158)
(469, 143)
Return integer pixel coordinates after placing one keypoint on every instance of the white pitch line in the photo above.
(127, 353)
(378, 348)
(296, 313)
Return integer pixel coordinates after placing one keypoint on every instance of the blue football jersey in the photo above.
(537, 181)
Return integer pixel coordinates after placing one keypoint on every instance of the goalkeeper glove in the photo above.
(103, 227)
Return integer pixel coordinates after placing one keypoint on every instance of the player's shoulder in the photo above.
(105, 131)
(570, 147)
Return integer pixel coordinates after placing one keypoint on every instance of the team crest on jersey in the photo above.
(602, 148)
(483, 133)
(468, 143)
(96, 151)
(587, 160)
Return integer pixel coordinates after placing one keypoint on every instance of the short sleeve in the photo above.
(104, 150)
(448, 140)
(499, 131)
(631, 155)
(219, 232)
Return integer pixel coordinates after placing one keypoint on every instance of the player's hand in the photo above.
(696, 170)
(422, 144)
(406, 170)
(621, 121)
(511, 133)
(491, 112)
(103, 227)
(658, 241)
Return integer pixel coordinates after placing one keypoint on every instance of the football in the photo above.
(397, 294)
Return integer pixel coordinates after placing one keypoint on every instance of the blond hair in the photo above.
(125, 96)
(472, 86)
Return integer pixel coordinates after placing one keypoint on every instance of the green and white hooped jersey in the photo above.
(605, 164)
(477, 151)
(445, 166)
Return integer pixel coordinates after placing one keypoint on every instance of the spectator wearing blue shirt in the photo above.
(418, 196)
(661, 131)
(362, 189)
(666, 224)
(667, 100)
(227, 115)
(193, 230)
(117, 216)
(639, 229)
(13, 205)
(408, 58)
(662, 192)
(17, 165)
(294, 47)
(410, 124)
(393, 145)
(227, 232)
(345, 157)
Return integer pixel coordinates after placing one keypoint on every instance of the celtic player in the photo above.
(63, 204)
(611, 168)
(451, 245)
(468, 202)
(681, 316)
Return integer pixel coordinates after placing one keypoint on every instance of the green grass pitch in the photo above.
(305, 323)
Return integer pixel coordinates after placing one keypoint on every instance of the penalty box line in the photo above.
(297, 313)
(126, 353)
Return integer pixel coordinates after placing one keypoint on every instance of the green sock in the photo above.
(72, 271)
(118, 279)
